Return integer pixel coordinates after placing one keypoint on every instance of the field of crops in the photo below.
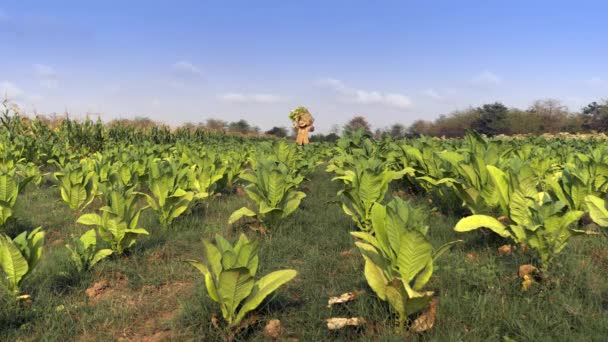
(151, 234)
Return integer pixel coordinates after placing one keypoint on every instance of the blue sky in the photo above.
(391, 61)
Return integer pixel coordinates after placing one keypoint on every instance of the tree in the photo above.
(356, 123)
(240, 126)
(216, 125)
(552, 115)
(420, 127)
(595, 116)
(397, 131)
(491, 119)
(280, 132)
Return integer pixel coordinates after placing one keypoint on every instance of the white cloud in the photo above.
(486, 79)
(155, 103)
(250, 98)
(185, 68)
(364, 96)
(10, 90)
(432, 93)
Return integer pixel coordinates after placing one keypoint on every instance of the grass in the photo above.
(153, 295)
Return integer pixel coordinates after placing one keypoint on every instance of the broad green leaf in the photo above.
(481, 221)
(293, 201)
(100, 255)
(444, 248)
(238, 214)
(414, 254)
(375, 278)
(396, 297)
(13, 264)
(90, 220)
(233, 286)
(262, 288)
(597, 210)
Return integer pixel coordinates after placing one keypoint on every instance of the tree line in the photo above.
(543, 116)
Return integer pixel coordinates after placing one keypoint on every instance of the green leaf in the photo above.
(293, 201)
(90, 220)
(100, 255)
(13, 264)
(444, 248)
(262, 288)
(89, 238)
(214, 257)
(234, 285)
(414, 254)
(597, 210)
(481, 221)
(375, 278)
(396, 297)
(424, 276)
(209, 284)
(238, 214)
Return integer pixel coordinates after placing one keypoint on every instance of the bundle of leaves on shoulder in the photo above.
(399, 257)
(533, 218)
(167, 185)
(274, 189)
(19, 257)
(118, 223)
(364, 186)
(230, 277)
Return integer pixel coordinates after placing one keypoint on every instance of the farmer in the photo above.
(303, 122)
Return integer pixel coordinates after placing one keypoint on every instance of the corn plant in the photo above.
(230, 277)
(84, 252)
(19, 257)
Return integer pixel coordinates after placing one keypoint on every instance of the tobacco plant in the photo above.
(231, 277)
(273, 189)
(84, 252)
(78, 185)
(168, 197)
(366, 185)
(398, 258)
(19, 257)
(533, 218)
(118, 223)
